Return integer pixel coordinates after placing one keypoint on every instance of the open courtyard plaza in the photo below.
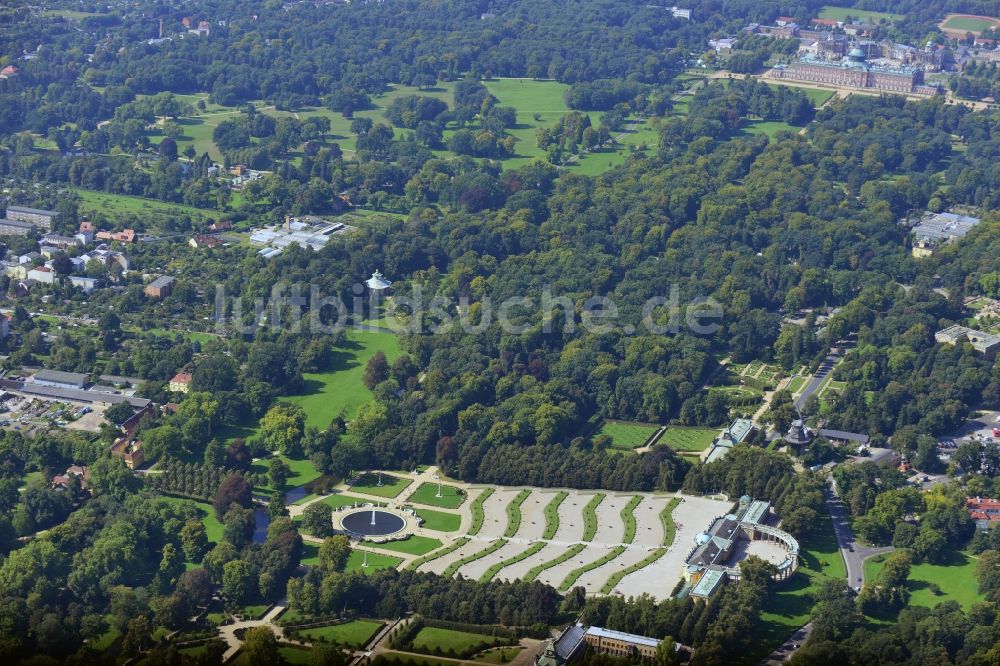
(606, 542)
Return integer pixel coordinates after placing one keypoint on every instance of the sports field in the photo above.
(341, 391)
(959, 24)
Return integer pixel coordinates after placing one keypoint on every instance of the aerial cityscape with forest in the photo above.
(499, 332)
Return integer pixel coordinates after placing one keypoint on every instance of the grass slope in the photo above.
(552, 515)
(514, 513)
(841, 13)
(102, 204)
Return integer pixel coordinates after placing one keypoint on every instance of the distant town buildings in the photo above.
(984, 343)
(855, 72)
(15, 227)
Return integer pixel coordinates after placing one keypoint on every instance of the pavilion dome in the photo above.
(377, 282)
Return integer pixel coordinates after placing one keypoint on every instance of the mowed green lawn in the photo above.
(368, 484)
(451, 496)
(770, 128)
(627, 435)
(353, 634)
(339, 500)
(545, 99)
(341, 391)
(680, 438)
(956, 579)
(439, 521)
(789, 605)
(375, 562)
(430, 639)
(528, 96)
(302, 471)
(841, 13)
(414, 545)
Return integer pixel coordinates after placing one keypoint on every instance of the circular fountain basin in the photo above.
(373, 522)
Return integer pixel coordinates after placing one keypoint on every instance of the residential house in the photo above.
(87, 284)
(60, 241)
(983, 510)
(161, 287)
(181, 382)
(203, 240)
(123, 236)
(40, 218)
(10, 227)
(86, 232)
(42, 274)
(80, 472)
(128, 450)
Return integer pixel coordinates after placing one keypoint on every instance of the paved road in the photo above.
(784, 652)
(854, 553)
(813, 384)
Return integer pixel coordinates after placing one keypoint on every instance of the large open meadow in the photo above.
(341, 390)
(539, 104)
